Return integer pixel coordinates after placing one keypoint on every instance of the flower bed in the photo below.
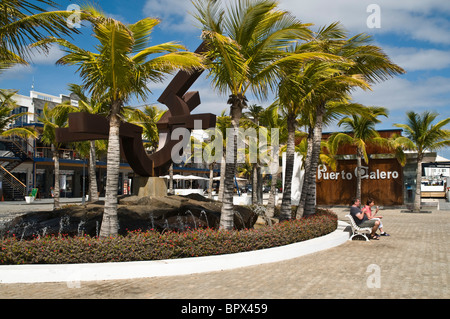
(151, 245)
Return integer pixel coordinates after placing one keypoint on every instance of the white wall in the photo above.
(297, 178)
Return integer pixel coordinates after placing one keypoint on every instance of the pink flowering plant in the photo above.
(153, 245)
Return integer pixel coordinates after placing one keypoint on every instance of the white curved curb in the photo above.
(73, 273)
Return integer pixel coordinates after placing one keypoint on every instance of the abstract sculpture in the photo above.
(85, 126)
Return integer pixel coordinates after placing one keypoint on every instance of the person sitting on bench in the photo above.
(361, 219)
(371, 215)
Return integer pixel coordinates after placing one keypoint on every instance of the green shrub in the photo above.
(151, 245)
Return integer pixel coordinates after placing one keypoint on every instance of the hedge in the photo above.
(152, 245)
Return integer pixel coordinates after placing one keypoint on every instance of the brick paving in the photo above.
(414, 262)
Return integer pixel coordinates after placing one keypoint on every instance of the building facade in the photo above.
(384, 179)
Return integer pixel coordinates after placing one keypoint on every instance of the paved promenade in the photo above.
(414, 262)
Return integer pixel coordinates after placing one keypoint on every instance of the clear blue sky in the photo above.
(414, 33)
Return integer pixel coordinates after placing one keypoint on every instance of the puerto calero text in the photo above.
(377, 174)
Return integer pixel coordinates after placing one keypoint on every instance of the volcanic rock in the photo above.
(176, 213)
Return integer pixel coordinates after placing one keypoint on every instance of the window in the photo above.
(22, 120)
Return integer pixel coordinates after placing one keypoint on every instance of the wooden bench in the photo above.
(356, 230)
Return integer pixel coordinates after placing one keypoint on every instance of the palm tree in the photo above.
(91, 106)
(291, 110)
(245, 47)
(364, 62)
(122, 68)
(83, 149)
(422, 135)
(223, 122)
(251, 119)
(209, 155)
(334, 110)
(53, 119)
(397, 144)
(147, 118)
(300, 92)
(208, 152)
(23, 22)
(272, 119)
(363, 131)
(212, 151)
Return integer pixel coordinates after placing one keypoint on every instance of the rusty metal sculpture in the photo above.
(180, 102)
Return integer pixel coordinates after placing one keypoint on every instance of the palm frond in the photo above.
(423, 134)
(23, 23)
(25, 132)
(141, 32)
(157, 49)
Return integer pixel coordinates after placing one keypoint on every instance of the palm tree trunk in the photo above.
(211, 176)
(286, 209)
(358, 174)
(306, 175)
(56, 204)
(259, 185)
(93, 190)
(171, 192)
(417, 197)
(273, 166)
(227, 213)
(271, 203)
(110, 225)
(222, 177)
(310, 200)
(254, 184)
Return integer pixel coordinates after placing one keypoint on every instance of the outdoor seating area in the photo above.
(187, 184)
(194, 184)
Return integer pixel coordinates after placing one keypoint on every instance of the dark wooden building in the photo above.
(382, 177)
